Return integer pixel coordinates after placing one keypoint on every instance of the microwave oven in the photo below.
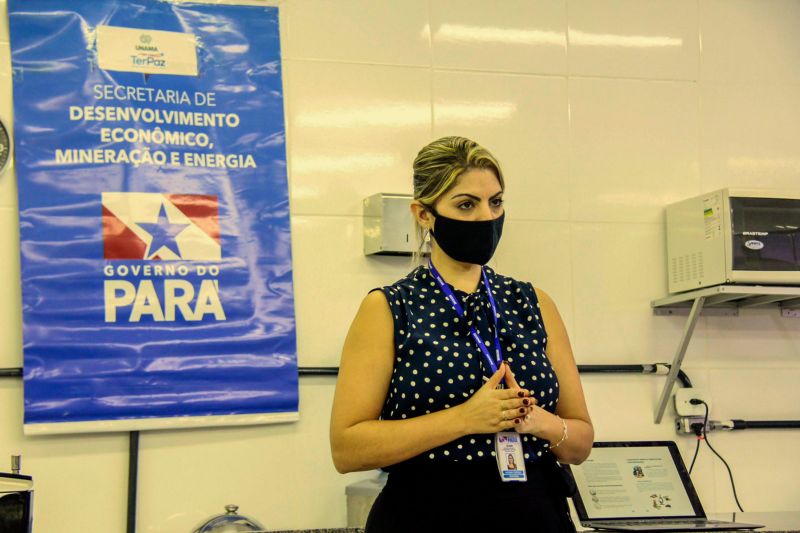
(16, 503)
(734, 236)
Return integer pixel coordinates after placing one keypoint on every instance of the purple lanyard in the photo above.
(460, 312)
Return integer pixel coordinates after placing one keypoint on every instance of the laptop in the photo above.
(640, 486)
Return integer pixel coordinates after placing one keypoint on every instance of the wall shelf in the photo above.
(721, 300)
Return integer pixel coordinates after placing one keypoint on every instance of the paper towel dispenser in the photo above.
(389, 227)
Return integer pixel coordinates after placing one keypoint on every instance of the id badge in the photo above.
(510, 461)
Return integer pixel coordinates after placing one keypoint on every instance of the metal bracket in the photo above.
(707, 311)
(720, 300)
(694, 314)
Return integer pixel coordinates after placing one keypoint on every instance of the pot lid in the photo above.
(230, 522)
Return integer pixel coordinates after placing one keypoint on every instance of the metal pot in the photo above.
(230, 522)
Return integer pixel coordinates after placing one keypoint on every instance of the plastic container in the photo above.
(360, 497)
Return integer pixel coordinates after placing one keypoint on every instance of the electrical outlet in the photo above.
(687, 424)
(684, 408)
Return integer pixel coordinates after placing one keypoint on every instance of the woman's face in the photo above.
(476, 195)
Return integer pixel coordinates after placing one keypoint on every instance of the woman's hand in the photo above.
(490, 409)
(536, 421)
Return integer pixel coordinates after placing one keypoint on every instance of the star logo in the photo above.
(161, 226)
(163, 233)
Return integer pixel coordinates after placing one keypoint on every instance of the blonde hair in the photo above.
(437, 167)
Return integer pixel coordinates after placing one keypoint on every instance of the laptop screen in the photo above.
(625, 480)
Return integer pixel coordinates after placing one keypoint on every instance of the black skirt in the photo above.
(470, 497)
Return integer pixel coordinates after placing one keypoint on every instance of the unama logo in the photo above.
(157, 249)
(148, 53)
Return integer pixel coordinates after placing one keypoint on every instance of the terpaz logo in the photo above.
(157, 249)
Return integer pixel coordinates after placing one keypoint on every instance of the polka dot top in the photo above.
(438, 365)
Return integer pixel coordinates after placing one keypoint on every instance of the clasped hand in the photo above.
(490, 409)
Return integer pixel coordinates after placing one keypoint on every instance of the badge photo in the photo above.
(510, 459)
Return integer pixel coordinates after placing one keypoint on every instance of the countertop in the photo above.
(340, 530)
(788, 522)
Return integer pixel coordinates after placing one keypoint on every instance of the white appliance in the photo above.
(734, 236)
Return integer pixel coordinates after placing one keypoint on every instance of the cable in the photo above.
(695, 401)
(696, 449)
(699, 432)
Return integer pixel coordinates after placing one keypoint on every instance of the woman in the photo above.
(448, 369)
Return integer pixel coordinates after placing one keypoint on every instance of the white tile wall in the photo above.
(10, 308)
(539, 252)
(633, 148)
(523, 121)
(755, 460)
(595, 136)
(361, 31)
(282, 475)
(749, 40)
(8, 191)
(511, 36)
(617, 270)
(634, 39)
(750, 135)
(79, 479)
(353, 131)
(3, 21)
(321, 329)
(754, 339)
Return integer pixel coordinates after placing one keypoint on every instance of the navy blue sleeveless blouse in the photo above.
(438, 365)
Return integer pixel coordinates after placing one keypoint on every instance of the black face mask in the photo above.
(468, 241)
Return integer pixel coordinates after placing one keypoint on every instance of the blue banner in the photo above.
(154, 215)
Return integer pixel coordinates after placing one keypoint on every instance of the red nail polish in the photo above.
(525, 401)
(516, 420)
(520, 394)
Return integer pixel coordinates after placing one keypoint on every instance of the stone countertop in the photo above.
(339, 530)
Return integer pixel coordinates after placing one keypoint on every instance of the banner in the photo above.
(154, 215)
